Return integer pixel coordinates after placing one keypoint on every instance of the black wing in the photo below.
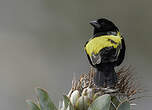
(121, 54)
(109, 55)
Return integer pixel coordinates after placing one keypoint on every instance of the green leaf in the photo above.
(83, 103)
(124, 106)
(112, 107)
(67, 103)
(101, 103)
(44, 100)
(74, 97)
(32, 105)
(115, 101)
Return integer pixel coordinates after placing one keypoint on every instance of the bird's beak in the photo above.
(95, 24)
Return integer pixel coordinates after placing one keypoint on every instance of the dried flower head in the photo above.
(85, 95)
(125, 89)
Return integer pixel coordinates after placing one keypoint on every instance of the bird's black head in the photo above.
(103, 25)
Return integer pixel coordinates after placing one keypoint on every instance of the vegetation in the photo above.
(84, 95)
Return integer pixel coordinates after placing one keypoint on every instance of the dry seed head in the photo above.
(126, 87)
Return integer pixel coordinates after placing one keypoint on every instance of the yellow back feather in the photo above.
(96, 44)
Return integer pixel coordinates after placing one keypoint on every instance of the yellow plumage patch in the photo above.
(96, 44)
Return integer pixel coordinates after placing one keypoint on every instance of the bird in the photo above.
(105, 50)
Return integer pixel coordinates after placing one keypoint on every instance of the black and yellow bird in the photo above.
(105, 51)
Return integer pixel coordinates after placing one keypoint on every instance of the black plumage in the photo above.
(108, 57)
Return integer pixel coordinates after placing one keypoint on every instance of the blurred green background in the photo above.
(41, 44)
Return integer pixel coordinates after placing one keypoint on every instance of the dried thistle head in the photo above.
(127, 84)
(125, 89)
(85, 95)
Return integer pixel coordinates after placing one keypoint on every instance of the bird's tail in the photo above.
(105, 78)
